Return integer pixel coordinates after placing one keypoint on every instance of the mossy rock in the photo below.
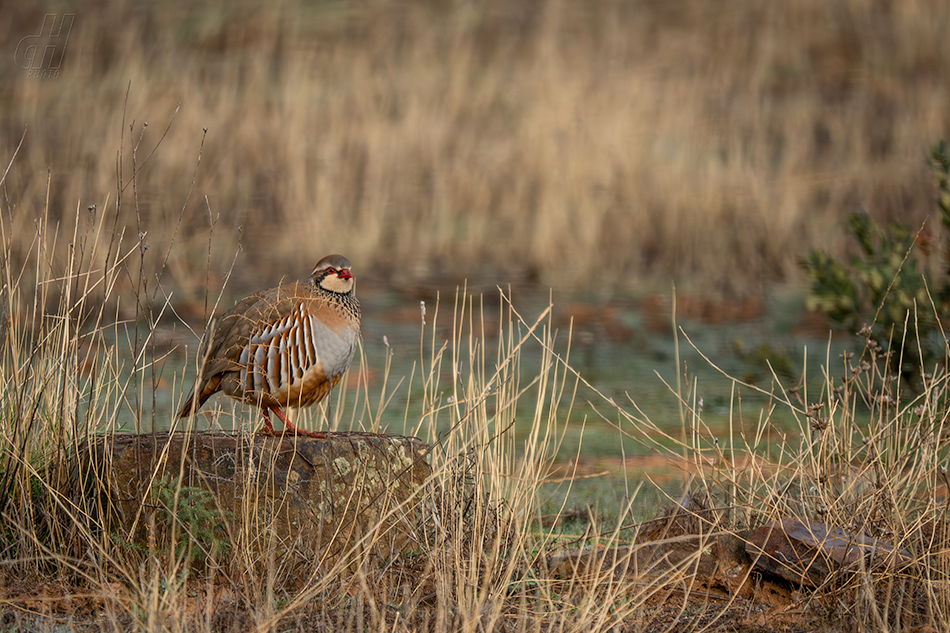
(292, 502)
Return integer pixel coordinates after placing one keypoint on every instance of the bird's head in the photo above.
(333, 274)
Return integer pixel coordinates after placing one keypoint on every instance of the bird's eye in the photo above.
(330, 270)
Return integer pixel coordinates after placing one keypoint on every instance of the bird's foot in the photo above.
(291, 430)
(289, 427)
(268, 427)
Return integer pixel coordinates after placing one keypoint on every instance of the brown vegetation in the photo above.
(552, 140)
(555, 140)
(861, 477)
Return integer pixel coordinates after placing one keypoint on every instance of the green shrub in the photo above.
(883, 292)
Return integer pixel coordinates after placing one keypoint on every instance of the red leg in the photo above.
(268, 427)
(289, 426)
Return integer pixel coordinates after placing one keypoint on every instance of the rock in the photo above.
(297, 502)
(807, 552)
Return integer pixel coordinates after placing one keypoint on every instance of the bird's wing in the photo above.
(232, 331)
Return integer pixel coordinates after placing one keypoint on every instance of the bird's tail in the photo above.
(199, 395)
(187, 407)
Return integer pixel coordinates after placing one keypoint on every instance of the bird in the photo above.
(284, 347)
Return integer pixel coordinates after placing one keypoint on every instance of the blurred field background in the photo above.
(187, 153)
(604, 147)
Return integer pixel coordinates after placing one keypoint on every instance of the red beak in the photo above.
(344, 274)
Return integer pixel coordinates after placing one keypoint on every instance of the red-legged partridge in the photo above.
(284, 347)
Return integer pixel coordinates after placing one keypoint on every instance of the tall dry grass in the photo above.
(496, 141)
(475, 562)
(870, 459)
(491, 140)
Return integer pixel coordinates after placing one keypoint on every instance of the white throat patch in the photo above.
(333, 283)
